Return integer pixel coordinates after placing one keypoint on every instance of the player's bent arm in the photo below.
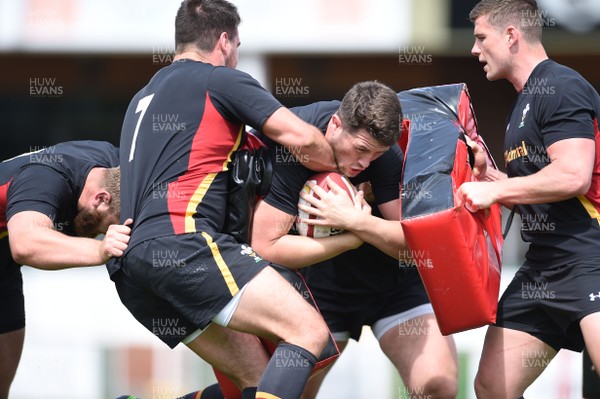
(385, 233)
(567, 175)
(333, 209)
(270, 239)
(303, 140)
(34, 242)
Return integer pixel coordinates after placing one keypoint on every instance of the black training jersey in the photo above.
(177, 138)
(363, 270)
(555, 104)
(50, 180)
(289, 175)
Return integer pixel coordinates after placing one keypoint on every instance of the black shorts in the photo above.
(11, 291)
(175, 285)
(550, 303)
(345, 311)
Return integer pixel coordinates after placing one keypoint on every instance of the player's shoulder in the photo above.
(187, 73)
(86, 146)
(555, 85)
(550, 72)
(232, 83)
(41, 177)
(99, 153)
(228, 75)
(318, 107)
(318, 113)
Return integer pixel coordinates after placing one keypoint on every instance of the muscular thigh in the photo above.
(239, 355)
(511, 360)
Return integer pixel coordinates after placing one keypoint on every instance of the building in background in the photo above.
(68, 69)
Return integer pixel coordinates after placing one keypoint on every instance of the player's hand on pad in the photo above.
(115, 240)
(480, 164)
(476, 195)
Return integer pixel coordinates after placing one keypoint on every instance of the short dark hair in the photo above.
(372, 106)
(201, 22)
(111, 180)
(522, 13)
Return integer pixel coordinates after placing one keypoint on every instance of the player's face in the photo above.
(354, 152)
(491, 49)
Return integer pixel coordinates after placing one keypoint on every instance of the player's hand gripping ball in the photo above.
(320, 180)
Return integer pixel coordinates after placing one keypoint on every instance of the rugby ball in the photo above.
(319, 179)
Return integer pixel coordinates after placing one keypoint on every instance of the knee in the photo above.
(492, 385)
(315, 334)
(310, 335)
(436, 381)
(439, 387)
(442, 387)
(483, 385)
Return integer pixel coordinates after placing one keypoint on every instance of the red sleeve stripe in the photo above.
(3, 201)
(591, 199)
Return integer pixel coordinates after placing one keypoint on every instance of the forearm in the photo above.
(53, 251)
(301, 139)
(385, 235)
(493, 175)
(567, 175)
(296, 252)
(550, 184)
(317, 154)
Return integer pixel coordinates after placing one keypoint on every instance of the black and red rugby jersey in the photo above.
(177, 138)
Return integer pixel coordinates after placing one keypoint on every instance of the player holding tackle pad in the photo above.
(364, 286)
(552, 155)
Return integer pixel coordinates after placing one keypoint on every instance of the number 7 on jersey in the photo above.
(141, 108)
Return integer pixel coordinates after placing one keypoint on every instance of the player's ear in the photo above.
(511, 35)
(336, 121)
(223, 41)
(102, 198)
